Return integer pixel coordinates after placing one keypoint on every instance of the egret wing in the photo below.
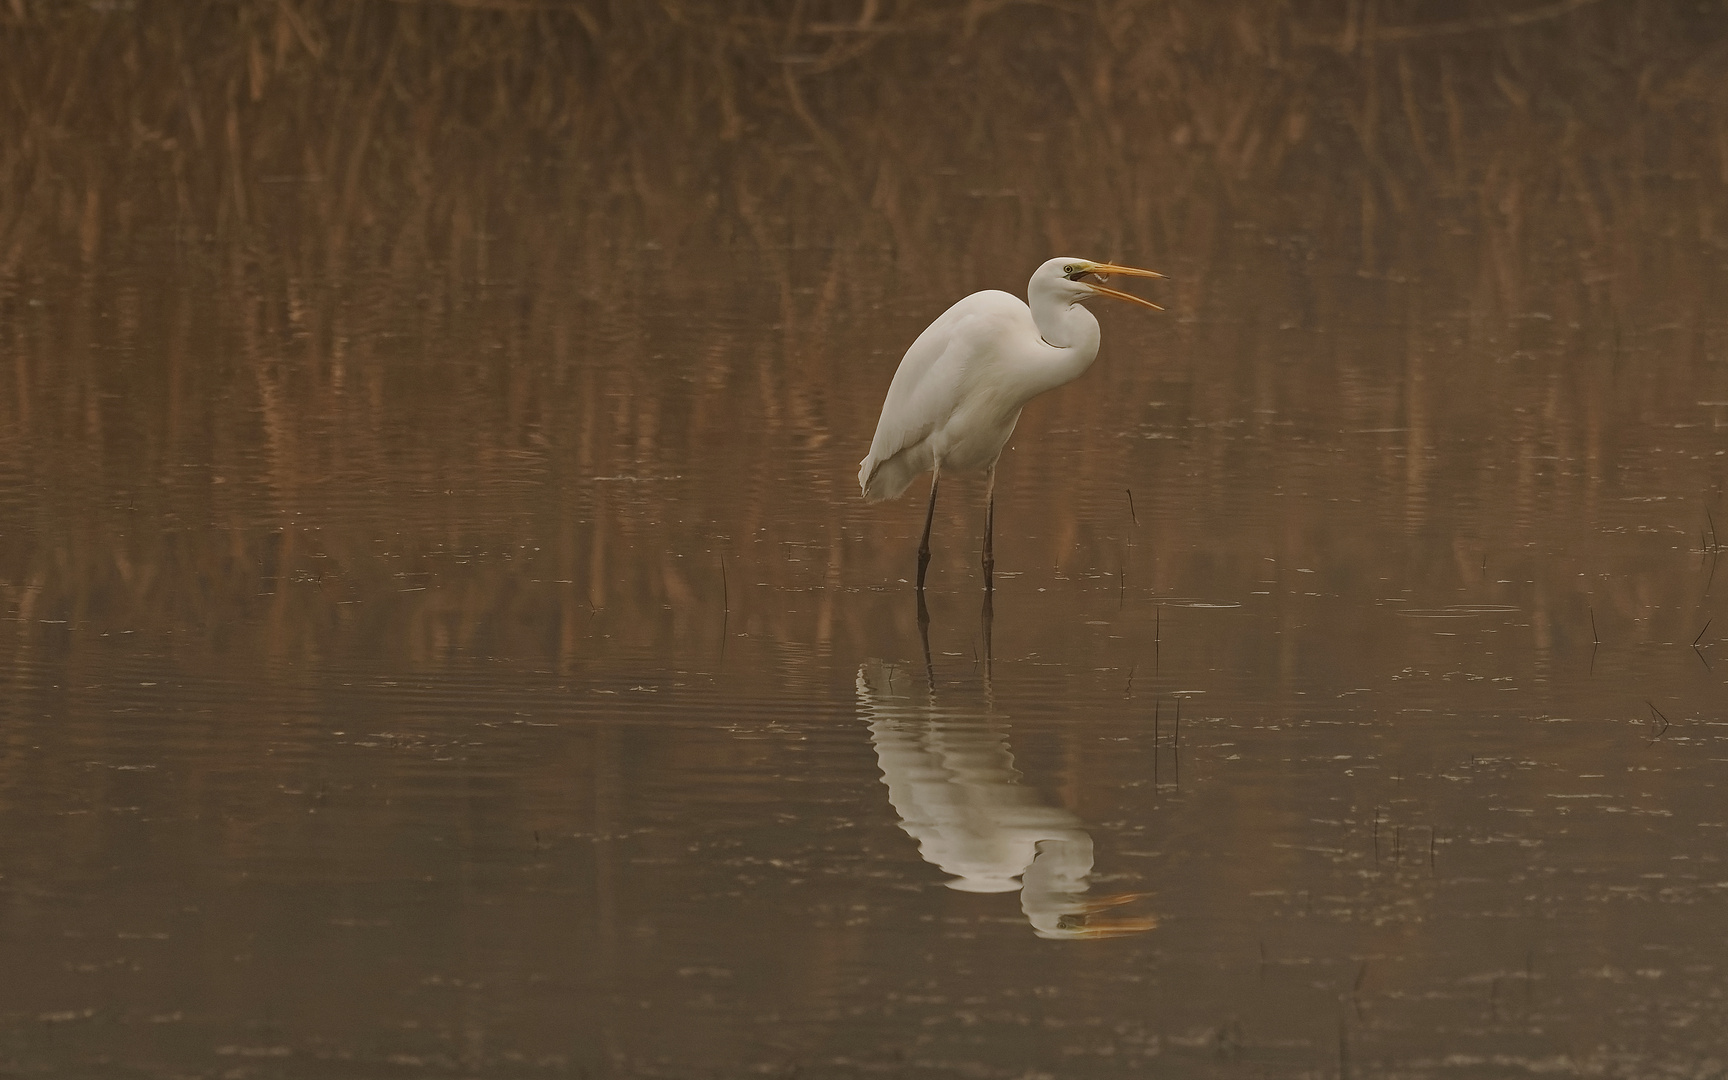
(929, 387)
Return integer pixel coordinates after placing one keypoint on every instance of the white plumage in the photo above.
(959, 389)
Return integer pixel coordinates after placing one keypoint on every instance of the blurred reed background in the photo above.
(324, 137)
(228, 229)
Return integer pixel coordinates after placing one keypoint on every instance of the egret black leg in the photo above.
(989, 534)
(924, 637)
(929, 516)
(986, 616)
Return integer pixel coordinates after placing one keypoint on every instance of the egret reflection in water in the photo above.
(951, 779)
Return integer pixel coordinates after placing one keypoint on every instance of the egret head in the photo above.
(1081, 279)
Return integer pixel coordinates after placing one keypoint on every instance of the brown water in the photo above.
(443, 637)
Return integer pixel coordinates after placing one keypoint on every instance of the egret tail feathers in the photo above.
(884, 480)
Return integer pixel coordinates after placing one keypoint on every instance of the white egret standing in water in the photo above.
(960, 387)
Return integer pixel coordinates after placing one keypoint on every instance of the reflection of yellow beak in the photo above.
(1084, 925)
(1127, 271)
(1109, 928)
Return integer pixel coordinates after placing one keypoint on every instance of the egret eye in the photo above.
(1074, 273)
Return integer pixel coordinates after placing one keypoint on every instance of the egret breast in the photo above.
(973, 439)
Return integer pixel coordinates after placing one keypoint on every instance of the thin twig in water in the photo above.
(1155, 704)
(725, 610)
(1700, 636)
(1343, 1050)
(1176, 745)
(1656, 714)
(1595, 638)
(1131, 513)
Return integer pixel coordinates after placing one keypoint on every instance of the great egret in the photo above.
(960, 387)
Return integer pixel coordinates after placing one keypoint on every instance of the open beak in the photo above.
(1091, 905)
(1083, 927)
(1085, 923)
(1109, 928)
(1102, 269)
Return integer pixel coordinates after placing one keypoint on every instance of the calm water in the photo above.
(487, 668)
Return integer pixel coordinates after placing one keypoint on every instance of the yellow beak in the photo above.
(1109, 928)
(1126, 271)
(1085, 923)
(1131, 271)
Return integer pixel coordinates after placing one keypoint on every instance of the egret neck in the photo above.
(1070, 337)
